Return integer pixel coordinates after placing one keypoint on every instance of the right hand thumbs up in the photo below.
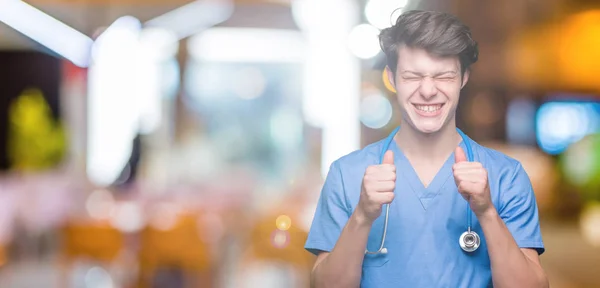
(388, 157)
(378, 187)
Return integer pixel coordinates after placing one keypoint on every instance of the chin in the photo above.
(428, 128)
(428, 125)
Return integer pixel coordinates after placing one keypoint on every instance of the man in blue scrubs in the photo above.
(427, 180)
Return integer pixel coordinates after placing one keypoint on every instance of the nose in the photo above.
(427, 88)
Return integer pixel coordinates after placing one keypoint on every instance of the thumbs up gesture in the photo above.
(472, 182)
(378, 187)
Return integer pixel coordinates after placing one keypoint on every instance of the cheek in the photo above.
(406, 90)
(450, 89)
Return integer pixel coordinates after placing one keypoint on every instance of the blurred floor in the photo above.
(20, 275)
(568, 261)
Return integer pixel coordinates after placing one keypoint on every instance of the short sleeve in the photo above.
(520, 211)
(331, 214)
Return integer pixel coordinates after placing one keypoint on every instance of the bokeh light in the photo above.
(363, 41)
(581, 165)
(559, 124)
(520, 121)
(100, 204)
(127, 217)
(590, 224)
(164, 216)
(248, 83)
(280, 239)
(578, 45)
(311, 15)
(383, 13)
(283, 222)
(375, 111)
(97, 277)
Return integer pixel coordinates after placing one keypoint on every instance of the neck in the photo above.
(433, 146)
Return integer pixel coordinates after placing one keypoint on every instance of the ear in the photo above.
(390, 76)
(465, 78)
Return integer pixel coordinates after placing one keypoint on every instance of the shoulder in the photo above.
(508, 180)
(506, 174)
(368, 155)
(349, 169)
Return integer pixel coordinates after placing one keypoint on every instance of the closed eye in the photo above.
(446, 78)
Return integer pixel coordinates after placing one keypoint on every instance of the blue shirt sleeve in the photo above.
(519, 210)
(331, 214)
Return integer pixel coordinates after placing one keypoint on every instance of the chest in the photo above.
(422, 240)
(425, 172)
(434, 215)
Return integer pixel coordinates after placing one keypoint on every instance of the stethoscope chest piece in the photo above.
(469, 241)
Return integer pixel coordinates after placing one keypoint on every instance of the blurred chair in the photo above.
(177, 248)
(93, 240)
(3, 255)
(285, 247)
(289, 248)
(98, 241)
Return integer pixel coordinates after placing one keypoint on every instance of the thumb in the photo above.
(459, 155)
(388, 157)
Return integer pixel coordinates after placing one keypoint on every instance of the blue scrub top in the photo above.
(425, 223)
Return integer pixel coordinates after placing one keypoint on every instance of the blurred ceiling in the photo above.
(494, 26)
(88, 16)
(489, 22)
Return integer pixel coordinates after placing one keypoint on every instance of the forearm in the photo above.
(343, 266)
(510, 266)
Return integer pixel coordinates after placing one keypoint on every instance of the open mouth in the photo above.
(428, 109)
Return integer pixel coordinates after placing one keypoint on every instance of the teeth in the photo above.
(429, 108)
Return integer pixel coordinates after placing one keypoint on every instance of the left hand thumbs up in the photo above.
(471, 179)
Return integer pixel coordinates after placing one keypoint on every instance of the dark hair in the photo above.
(438, 33)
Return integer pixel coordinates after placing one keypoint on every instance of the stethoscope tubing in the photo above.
(386, 145)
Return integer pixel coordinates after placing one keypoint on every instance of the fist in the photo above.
(472, 182)
(378, 187)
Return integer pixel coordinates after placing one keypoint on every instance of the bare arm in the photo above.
(342, 267)
(511, 266)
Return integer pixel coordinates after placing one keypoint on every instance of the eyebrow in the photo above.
(435, 75)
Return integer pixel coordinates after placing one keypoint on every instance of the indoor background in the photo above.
(154, 143)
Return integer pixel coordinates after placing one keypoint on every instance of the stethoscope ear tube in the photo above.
(469, 241)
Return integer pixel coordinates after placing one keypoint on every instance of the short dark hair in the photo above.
(438, 33)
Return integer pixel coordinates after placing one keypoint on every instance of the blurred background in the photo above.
(154, 143)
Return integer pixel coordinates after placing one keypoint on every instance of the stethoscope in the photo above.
(469, 241)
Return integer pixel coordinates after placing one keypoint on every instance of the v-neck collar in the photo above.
(411, 179)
